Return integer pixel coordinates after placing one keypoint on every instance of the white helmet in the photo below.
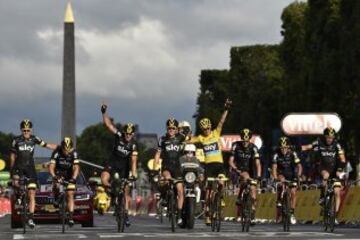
(185, 124)
(190, 148)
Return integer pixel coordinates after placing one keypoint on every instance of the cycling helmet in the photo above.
(26, 124)
(246, 134)
(205, 123)
(190, 148)
(284, 142)
(184, 124)
(172, 123)
(67, 144)
(329, 132)
(128, 128)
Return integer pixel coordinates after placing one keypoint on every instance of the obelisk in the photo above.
(68, 127)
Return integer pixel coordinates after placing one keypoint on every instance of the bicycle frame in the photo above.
(285, 203)
(119, 190)
(23, 182)
(329, 208)
(214, 202)
(246, 205)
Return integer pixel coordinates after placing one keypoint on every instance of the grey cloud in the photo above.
(144, 57)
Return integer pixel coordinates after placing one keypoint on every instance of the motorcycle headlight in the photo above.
(82, 197)
(156, 179)
(190, 177)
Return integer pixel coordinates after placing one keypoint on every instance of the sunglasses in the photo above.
(26, 131)
(206, 129)
(171, 128)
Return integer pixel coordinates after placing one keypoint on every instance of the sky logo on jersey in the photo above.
(123, 150)
(26, 148)
(173, 147)
(212, 148)
(328, 154)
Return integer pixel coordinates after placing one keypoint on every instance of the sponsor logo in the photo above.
(309, 123)
(173, 147)
(123, 150)
(26, 148)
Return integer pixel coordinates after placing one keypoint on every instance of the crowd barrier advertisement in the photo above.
(307, 206)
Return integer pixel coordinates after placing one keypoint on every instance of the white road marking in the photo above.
(18, 236)
(221, 234)
(48, 236)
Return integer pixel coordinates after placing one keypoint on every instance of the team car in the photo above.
(46, 212)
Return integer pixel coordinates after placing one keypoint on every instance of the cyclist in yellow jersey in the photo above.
(210, 140)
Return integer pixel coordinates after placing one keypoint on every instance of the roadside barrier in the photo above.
(307, 206)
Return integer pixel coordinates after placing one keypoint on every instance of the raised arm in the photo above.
(107, 120)
(227, 106)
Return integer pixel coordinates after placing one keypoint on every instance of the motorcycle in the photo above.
(190, 177)
(101, 201)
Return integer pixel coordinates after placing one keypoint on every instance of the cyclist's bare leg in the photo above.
(293, 191)
(166, 175)
(244, 177)
(70, 199)
(325, 176)
(180, 195)
(16, 184)
(280, 189)
(337, 198)
(127, 198)
(31, 193)
(105, 179)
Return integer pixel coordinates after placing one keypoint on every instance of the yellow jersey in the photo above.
(211, 146)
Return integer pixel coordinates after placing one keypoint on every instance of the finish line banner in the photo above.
(309, 123)
(227, 140)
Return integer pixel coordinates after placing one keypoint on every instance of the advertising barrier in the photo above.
(307, 206)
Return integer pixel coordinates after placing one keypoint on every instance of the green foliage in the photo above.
(214, 85)
(95, 144)
(5, 144)
(315, 69)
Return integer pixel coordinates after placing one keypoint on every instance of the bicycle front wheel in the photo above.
(332, 212)
(63, 213)
(216, 213)
(171, 209)
(286, 212)
(24, 208)
(120, 212)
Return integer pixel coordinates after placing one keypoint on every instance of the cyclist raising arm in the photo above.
(210, 140)
(124, 152)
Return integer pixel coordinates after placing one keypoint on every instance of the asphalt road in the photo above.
(149, 227)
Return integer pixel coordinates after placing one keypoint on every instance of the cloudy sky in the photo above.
(142, 56)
